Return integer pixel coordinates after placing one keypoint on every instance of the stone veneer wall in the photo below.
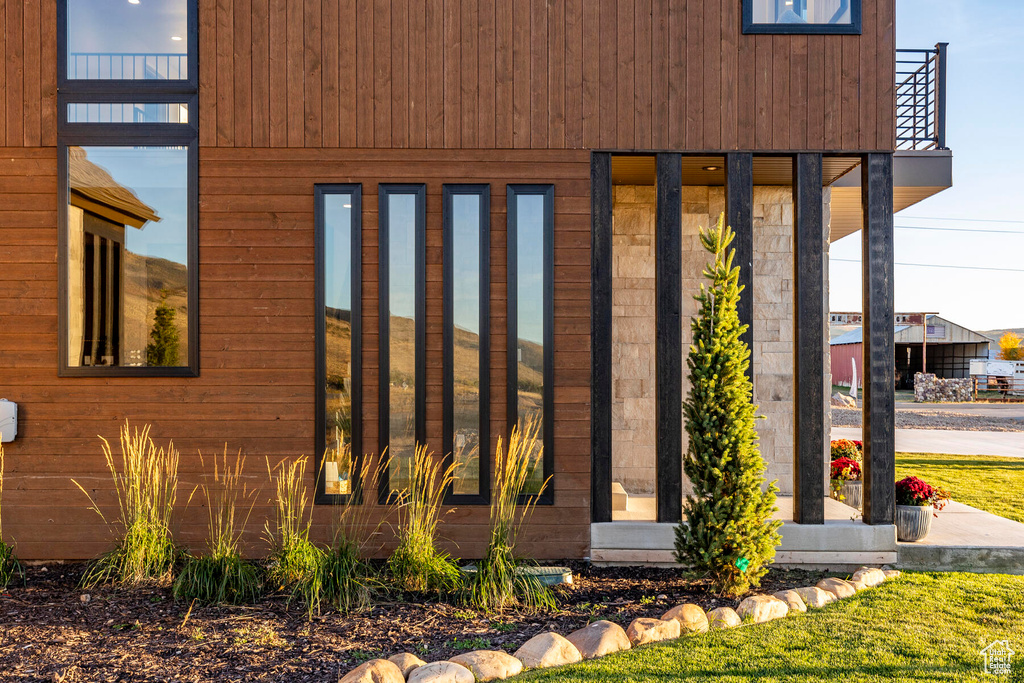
(633, 324)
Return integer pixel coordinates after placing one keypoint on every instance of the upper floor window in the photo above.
(801, 16)
(129, 40)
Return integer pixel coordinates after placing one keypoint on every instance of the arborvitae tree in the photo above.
(730, 534)
(162, 350)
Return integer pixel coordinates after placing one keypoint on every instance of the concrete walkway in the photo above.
(963, 538)
(1010, 444)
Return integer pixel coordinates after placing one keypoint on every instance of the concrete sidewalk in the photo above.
(1010, 444)
(963, 538)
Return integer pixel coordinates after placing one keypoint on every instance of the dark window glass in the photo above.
(402, 327)
(127, 245)
(339, 224)
(467, 339)
(802, 16)
(530, 312)
(127, 39)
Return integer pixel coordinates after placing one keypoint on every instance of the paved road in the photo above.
(948, 441)
(1009, 411)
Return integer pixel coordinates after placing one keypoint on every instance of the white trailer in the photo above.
(999, 375)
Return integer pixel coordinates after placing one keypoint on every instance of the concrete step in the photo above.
(944, 558)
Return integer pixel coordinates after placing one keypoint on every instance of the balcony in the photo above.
(921, 99)
(922, 163)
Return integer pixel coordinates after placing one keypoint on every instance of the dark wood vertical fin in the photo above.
(879, 352)
(601, 336)
(739, 215)
(668, 338)
(810, 308)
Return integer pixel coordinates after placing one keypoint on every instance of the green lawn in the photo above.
(920, 627)
(989, 483)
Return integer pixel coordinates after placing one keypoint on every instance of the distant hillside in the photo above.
(996, 334)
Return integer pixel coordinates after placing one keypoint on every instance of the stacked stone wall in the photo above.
(634, 436)
(929, 388)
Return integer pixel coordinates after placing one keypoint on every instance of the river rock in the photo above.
(792, 600)
(762, 608)
(645, 630)
(869, 575)
(814, 596)
(599, 639)
(406, 662)
(547, 649)
(375, 671)
(723, 617)
(891, 573)
(838, 587)
(441, 672)
(489, 665)
(691, 618)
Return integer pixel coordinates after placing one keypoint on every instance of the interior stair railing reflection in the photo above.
(921, 98)
(119, 66)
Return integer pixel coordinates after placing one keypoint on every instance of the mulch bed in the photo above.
(49, 630)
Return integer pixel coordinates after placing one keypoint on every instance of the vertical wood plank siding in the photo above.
(471, 74)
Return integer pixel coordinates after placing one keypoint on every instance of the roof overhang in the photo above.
(917, 175)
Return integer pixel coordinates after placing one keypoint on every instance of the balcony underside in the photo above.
(917, 176)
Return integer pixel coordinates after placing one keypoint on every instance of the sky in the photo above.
(985, 98)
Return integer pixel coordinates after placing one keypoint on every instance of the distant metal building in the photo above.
(946, 351)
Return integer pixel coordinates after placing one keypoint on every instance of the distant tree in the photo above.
(729, 532)
(162, 350)
(1010, 348)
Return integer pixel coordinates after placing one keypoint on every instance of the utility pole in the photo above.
(924, 342)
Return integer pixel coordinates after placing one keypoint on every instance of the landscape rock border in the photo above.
(551, 649)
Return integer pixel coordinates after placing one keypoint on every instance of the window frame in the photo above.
(483, 191)
(384, 191)
(185, 86)
(128, 135)
(192, 234)
(513, 191)
(853, 28)
(320, 191)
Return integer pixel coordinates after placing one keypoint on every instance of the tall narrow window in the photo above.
(530, 330)
(466, 210)
(338, 339)
(128, 168)
(402, 257)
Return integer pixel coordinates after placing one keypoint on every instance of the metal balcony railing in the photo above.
(118, 66)
(921, 98)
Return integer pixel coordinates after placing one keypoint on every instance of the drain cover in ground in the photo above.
(549, 576)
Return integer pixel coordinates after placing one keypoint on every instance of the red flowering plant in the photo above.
(846, 448)
(843, 470)
(915, 491)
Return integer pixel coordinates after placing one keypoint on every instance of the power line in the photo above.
(962, 220)
(937, 265)
(994, 232)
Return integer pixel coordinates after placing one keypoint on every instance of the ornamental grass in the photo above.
(222, 575)
(146, 483)
(9, 565)
(501, 581)
(417, 565)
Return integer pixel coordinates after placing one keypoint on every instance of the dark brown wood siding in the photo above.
(469, 74)
(255, 391)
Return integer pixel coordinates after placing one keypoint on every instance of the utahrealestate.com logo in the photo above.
(997, 656)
